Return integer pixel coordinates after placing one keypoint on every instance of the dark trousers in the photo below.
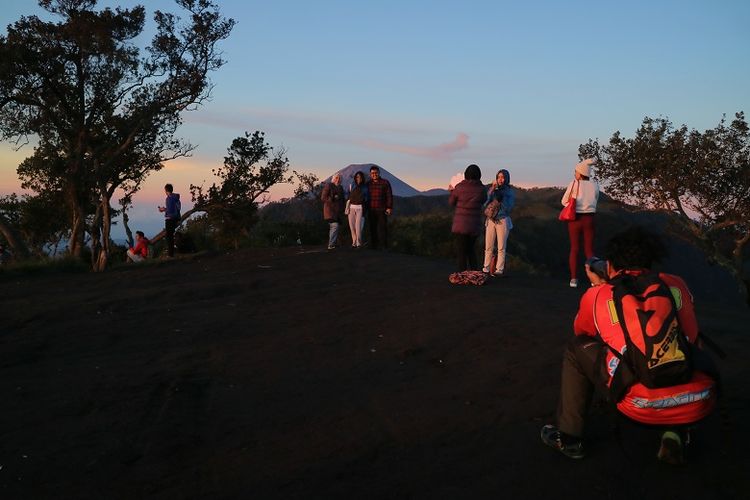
(467, 256)
(378, 228)
(169, 226)
(582, 371)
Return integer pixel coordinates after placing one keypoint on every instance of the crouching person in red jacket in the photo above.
(140, 251)
(636, 336)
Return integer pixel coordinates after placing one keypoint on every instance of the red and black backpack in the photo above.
(657, 354)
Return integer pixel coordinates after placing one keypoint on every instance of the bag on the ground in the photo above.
(492, 209)
(468, 278)
(658, 354)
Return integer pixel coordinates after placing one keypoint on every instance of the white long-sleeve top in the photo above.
(587, 198)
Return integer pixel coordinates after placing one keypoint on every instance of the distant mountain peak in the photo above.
(399, 187)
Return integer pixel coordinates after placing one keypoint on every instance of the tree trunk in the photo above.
(184, 217)
(78, 222)
(100, 235)
(17, 245)
(128, 231)
(96, 236)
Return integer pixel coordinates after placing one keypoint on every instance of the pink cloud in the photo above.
(440, 152)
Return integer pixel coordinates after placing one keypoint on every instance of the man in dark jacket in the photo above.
(380, 207)
(171, 212)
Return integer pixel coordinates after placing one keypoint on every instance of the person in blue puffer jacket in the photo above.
(498, 227)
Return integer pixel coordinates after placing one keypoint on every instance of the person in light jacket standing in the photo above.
(333, 207)
(468, 198)
(497, 228)
(586, 193)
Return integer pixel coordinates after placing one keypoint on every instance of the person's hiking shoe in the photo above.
(671, 449)
(574, 283)
(567, 445)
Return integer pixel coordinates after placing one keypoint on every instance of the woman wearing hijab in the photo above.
(498, 223)
(585, 190)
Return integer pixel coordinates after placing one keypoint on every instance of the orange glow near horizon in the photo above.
(183, 172)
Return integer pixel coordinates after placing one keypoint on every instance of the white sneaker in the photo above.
(574, 283)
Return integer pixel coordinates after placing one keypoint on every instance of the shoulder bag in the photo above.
(568, 213)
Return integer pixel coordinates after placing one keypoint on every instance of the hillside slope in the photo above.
(539, 240)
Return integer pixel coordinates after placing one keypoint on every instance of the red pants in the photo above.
(584, 224)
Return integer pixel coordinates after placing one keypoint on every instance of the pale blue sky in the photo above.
(424, 88)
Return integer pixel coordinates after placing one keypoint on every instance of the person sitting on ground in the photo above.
(636, 337)
(140, 252)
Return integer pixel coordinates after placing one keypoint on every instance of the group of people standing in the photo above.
(479, 210)
(371, 200)
(488, 210)
(665, 381)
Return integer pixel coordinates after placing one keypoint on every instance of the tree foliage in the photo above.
(104, 114)
(29, 226)
(701, 177)
(308, 186)
(250, 169)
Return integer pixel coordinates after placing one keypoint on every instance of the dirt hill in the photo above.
(297, 373)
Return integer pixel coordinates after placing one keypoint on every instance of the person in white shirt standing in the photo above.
(586, 193)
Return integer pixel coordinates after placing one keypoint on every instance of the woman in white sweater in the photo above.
(586, 192)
